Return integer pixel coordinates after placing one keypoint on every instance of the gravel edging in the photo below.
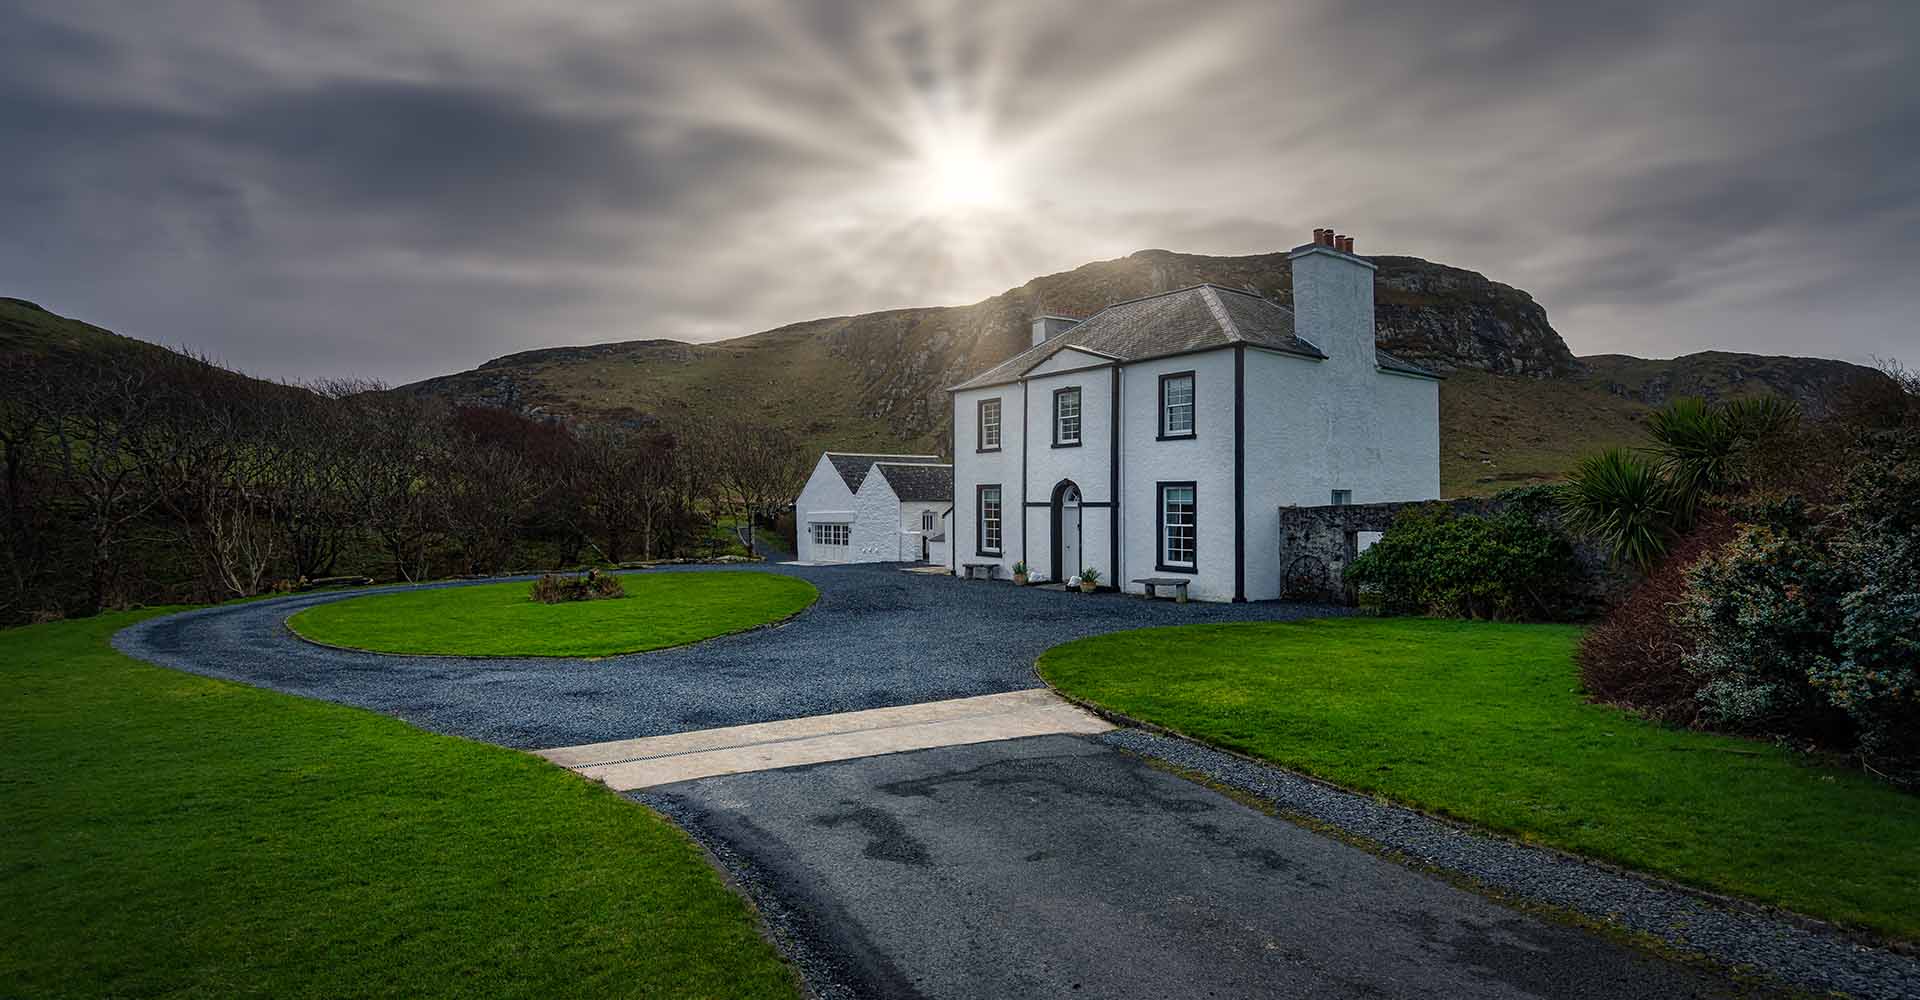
(1791, 951)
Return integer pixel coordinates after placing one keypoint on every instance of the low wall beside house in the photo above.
(1317, 544)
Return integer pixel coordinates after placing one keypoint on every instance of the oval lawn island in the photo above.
(501, 619)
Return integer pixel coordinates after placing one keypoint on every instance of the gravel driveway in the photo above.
(877, 637)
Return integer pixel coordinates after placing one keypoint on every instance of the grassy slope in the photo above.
(171, 835)
(1482, 722)
(1499, 431)
(498, 619)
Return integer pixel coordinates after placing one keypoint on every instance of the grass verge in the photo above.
(1482, 722)
(171, 835)
(498, 619)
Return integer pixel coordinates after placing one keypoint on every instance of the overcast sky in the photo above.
(398, 190)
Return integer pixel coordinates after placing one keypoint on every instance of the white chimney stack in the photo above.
(1333, 298)
(1047, 327)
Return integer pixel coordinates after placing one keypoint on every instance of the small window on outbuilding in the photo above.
(1342, 498)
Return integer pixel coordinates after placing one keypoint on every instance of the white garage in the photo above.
(873, 508)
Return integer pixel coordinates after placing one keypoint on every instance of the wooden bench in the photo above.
(986, 570)
(1154, 583)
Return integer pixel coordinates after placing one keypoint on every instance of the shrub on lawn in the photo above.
(593, 585)
(1505, 565)
(1633, 657)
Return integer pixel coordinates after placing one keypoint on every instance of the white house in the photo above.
(873, 508)
(1160, 436)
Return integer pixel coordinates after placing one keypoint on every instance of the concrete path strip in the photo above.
(625, 765)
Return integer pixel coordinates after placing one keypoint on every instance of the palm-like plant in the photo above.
(1703, 449)
(1621, 498)
(1696, 447)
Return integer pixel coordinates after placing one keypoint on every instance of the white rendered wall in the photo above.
(972, 467)
(824, 498)
(1206, 459)
(876, 522)
(1088, 466)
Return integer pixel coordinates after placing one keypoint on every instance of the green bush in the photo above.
(1762, 612)
(1507, 565)
(593, 585)
(1807, 623)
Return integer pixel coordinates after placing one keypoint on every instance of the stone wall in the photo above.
(1318, 543)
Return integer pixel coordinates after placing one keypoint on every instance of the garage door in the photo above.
(830, 542)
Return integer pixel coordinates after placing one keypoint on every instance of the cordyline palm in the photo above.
(1620, 498)
(1703, 449)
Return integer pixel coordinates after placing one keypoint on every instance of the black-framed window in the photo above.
(988, 513)
(1342, 498)
(1066, 417)
(1177, 522)
(987, 429)
(1176, 405)
(831, 534)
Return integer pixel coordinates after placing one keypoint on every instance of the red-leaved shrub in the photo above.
(1632, 658)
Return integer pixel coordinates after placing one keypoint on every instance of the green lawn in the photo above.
(167, 835)
(499, 619)
(1482, 722)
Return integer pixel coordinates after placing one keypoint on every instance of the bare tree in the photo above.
(758, 471)
(628, 482)
(215, 463)
(396, 448)
(97, 415)
(23, 457)
(484, 492)
(315, 510)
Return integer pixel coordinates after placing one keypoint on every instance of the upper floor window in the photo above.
(1066, 417)
(1176, 405)
(989, 426)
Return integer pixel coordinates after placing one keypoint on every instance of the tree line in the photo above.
(141, 475)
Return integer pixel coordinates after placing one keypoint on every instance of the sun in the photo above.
(961, 176)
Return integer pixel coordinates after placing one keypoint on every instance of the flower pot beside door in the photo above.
(1089, 580)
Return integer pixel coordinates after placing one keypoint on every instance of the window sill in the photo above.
(1066, 444)
(987, 451)
(1188, 436)
(1186, 570)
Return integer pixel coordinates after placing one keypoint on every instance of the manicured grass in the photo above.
(498, 619)
(1482, 722)
(170, 835)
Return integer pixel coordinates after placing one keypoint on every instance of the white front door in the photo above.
(1070, 563)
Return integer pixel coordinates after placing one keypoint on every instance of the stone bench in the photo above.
(984, 570)
(1154, 583)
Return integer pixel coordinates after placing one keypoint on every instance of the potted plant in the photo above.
(1020, 573)
(1089, 579)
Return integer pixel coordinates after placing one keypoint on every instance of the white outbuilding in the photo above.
(873, 508)
(1158, 438)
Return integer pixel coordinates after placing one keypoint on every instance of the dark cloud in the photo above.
(311, 189)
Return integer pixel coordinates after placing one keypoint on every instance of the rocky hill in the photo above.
(1517, 406)
(879, 379)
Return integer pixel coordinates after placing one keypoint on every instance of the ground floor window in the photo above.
(831, 534)
(989, 497)
(1178, 541)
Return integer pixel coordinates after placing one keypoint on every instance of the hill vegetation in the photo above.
(1517, 407)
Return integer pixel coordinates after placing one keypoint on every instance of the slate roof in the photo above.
(1185, 319)
(853, 468)
(918, 482)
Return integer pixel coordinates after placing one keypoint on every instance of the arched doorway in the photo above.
(1066, 530)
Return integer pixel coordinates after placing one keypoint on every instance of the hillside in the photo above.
(878, 379)
(1517, 406)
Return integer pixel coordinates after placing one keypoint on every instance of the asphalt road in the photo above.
(1058, 866)
(877, 637)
